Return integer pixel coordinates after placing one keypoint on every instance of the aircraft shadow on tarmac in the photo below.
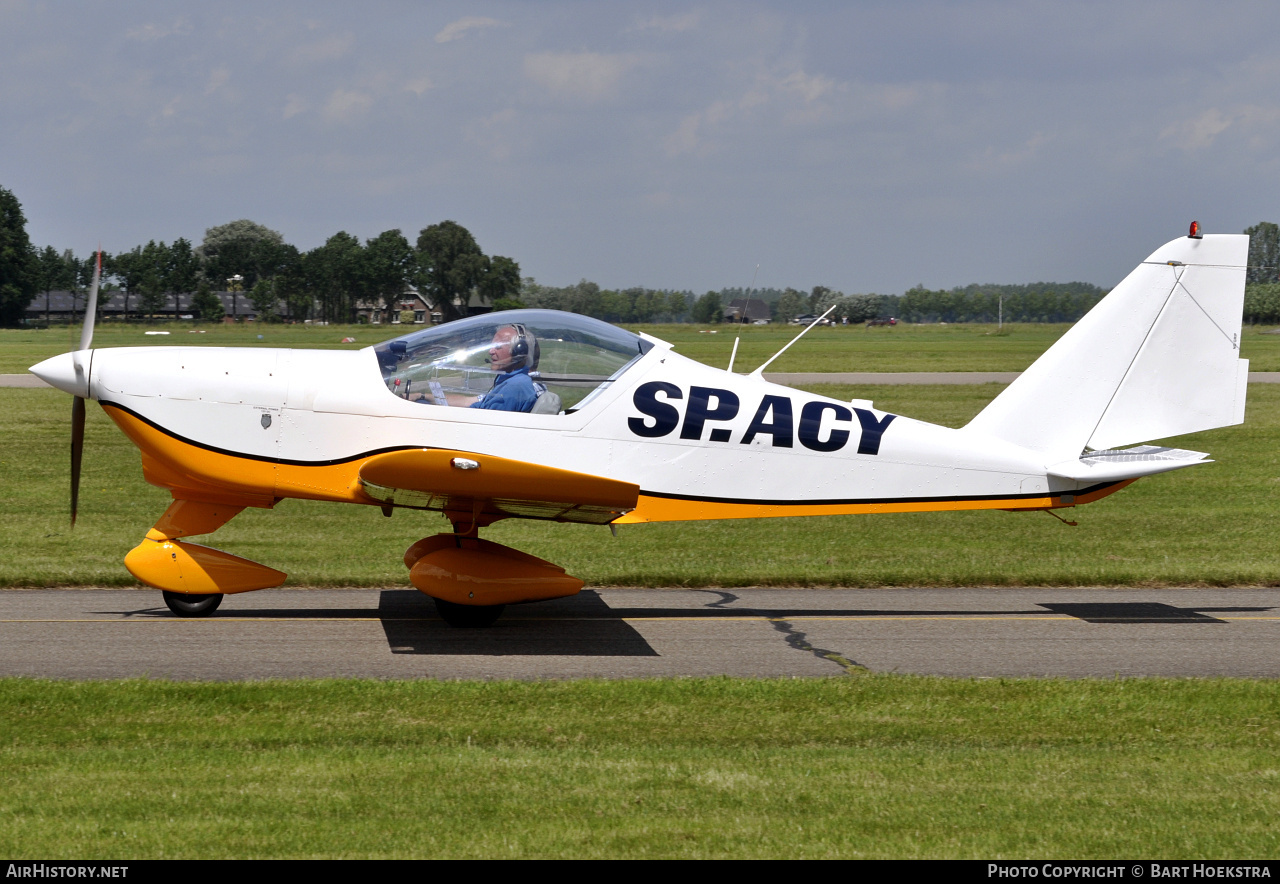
(581, 626)
(585, 625)
(1090, 612)
(1141, 612)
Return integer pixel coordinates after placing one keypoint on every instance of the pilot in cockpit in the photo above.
(513, 353)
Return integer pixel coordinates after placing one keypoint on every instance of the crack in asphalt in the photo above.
(794, 637)
(800, 641)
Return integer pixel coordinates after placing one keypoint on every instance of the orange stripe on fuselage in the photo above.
(214, 475)
(668, 509)
(197, 473)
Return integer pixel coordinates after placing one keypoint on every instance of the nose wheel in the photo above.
(185, 605)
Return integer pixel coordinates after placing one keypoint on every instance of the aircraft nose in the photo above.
(68, 372)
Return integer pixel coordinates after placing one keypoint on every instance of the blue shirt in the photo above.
(512, 391)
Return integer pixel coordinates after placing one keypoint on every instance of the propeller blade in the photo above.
(77, 453)
(91, 308)
(77, 404)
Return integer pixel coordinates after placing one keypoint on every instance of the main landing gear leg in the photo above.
(471, 580)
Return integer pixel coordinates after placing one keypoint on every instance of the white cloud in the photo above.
(685, 139)
(458, 29)
(589, 75)
(217, 80)
(345, 105)
(418, 86)
(1198, 133)
(148, 32)
(668, 23)
(294, 105)
(328, 49)
(1025, 152)
(696, 130)
(689, 136)
(809, 88)
(494, 134)
(894, 96)
(1201, 131)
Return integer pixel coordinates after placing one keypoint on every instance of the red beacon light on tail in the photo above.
(1195, 232)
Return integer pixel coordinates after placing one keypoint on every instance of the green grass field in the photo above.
(853, 766)
(841, 348)
(1210, 524)
(866, 766)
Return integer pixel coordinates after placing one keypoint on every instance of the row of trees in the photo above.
(641, 305)
(329, 282)
(19, 267)
(628, 305)
(448, 268)
(1262, 303)
(1038, 302)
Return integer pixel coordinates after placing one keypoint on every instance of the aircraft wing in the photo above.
(465, 484)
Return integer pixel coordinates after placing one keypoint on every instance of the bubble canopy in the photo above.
(568, 357)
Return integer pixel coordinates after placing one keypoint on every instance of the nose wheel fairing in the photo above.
(175, 566)
(192, 569)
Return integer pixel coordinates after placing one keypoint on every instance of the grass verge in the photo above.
(963, 347)
(869, 766)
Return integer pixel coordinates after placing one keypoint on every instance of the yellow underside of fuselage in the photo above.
(197, 473)
(675, 509)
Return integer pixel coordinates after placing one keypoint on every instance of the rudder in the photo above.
(1157, 357)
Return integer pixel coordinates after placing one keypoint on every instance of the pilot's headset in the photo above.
(524, 347)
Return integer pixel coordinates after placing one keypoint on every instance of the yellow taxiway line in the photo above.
(702, 618)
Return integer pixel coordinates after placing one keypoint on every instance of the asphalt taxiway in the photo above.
(635, 633)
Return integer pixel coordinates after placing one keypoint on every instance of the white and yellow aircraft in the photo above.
(616, 428)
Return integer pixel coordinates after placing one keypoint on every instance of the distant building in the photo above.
(747, 310)
(65, 306)
(424, 311)
(373, 311)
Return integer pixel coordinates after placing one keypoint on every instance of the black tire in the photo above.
(185, 605)
(468, 616)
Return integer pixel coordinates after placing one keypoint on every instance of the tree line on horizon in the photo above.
(448, 268)
(327, 283)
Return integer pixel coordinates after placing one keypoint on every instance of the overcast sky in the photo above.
(863, 146)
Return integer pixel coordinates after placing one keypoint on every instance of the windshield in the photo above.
(540, 361)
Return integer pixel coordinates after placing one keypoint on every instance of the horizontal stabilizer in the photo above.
(1159, 356)
(1128, 463)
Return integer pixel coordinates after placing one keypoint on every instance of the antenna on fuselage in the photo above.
(760, 371)
(745, 302)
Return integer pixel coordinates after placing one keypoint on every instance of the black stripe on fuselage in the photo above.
(694, 498)
(240, 454)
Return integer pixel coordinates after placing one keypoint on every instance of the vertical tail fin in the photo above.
(1159, 356)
